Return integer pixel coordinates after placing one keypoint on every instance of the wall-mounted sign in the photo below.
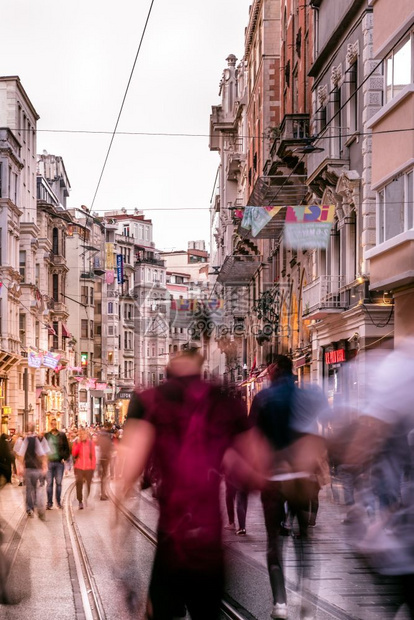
(119, 268)
(335, 357)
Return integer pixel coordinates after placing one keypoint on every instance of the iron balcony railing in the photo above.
(324, 295)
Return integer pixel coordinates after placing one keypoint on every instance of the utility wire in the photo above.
(123, 102)
(160, 134)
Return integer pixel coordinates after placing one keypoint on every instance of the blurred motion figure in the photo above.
(188, 425)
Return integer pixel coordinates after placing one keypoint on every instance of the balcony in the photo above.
(294, 130)
(238, 270)
(324, 296)
(60, 308)
(147, 260)
(57, 259)
(235, 159)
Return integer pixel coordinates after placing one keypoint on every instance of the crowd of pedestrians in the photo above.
(38, 461)
(198, 447)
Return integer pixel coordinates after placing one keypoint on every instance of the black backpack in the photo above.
(31, 460)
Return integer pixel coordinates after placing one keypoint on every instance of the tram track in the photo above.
(88, 602)
(87, 598)
(230, 608)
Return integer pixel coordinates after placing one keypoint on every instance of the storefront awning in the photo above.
(238, 269)
(65, 332)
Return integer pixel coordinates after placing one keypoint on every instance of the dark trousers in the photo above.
(240, 497)
(173, 590)
(103, 472)
(297, 493)
(54, 473)
(81, 476)
(31, 478)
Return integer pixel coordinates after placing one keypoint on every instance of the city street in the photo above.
(344, 586)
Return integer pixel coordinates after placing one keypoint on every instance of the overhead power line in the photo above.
(160, 134)
(123, 101)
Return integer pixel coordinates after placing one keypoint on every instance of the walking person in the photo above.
(84, 455)
(288, 446)
(5, 459)
(188, 425)
(105, 445)
(239, 497)
(34, 457)
(58, 454)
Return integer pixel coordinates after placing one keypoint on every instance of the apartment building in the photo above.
(18, 234)
(391, 255)
(137, 307)
(51, 333)
(87, 321)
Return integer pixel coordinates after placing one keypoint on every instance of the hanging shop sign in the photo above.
(335, 357)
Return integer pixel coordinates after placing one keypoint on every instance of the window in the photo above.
(399, 68)
(110, 307)
(84, 295)
(128, 340)
(55, 241)
(55, 341)
(125, 230)
(353, 97)
(395, 207)
(110, 330)
(99, 330)
(22, 329)
(22, 264)
(91, 296)
(84, 328)
(55, 287)
(90, 329)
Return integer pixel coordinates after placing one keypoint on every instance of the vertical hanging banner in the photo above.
(119, 268)
(308, 227)
(109, 256)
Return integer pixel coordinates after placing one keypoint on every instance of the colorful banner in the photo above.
(50, 360)
(34, 359)
(100, 386)
(307, 236)
(119, 268)
(109, 256)
(256, 218)
(310, 213)
(110, 277)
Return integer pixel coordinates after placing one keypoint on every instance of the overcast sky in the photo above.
(74, 59)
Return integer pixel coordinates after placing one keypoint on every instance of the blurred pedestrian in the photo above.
(105, 445)
(383, 439)
(236, 496)
(290, 450)
(58, 454)
(83, 452)
(34, 456)
(17, 441)
(188, 425)
(5, 459)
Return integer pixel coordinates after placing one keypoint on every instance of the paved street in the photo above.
(345, 587)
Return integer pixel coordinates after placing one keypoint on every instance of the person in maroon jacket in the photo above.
(84, 456)
(187, 426)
